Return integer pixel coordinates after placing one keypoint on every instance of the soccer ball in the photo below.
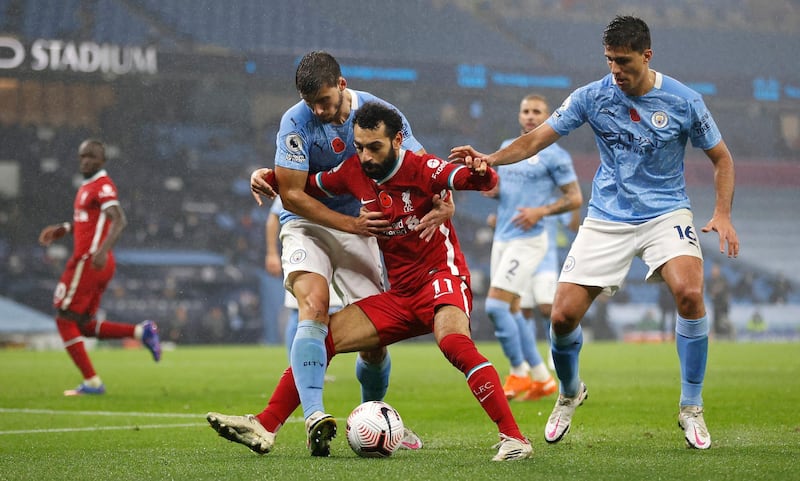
(374, 430)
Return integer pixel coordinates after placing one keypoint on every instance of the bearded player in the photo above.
(430, 282)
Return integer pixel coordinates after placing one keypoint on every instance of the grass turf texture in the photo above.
(627, 429)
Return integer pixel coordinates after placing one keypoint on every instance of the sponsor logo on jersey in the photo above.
(80, 216)
(338, 145)
(659, 119)
(438, 170)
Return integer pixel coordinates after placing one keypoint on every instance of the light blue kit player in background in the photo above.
(525, 199)
(642, 121)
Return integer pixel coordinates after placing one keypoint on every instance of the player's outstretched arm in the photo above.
(724, 178)
(54, 232)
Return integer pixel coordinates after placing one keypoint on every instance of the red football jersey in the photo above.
(404, 197)
(89, 226)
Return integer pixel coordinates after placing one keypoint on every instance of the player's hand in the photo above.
(527, 217)
(491, 220)
(476, 164)
(460, 153)
(371, 223)
(99, 259)
(261, 183)
(727, 235)
(272, 263)
(52, 233)
(443, 209)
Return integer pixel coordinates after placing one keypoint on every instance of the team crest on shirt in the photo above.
(337, 145)
(659, 119)
(569, 264)
(297, 256)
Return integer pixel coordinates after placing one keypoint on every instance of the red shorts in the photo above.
(402, 315)
(81, 285)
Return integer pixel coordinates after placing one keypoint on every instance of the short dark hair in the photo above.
(371, 114)
(97, 143)
(627, 32)
(316, 70)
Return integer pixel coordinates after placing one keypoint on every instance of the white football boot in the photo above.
(243, 430)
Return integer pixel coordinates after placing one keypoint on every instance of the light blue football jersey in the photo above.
(530, 183)
(642, 142)
(305, 143)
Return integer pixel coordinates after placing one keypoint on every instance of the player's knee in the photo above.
(689, 301)
(374, 356)
(562, 322)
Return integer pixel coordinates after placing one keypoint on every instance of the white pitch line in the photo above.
(100, 413)
(102, 428)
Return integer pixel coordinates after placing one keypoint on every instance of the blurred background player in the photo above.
(525, 195)
(97, 222)
(642, 120)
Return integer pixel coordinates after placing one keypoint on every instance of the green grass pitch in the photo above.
(151, 425)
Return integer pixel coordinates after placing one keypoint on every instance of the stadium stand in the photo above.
(182, 144)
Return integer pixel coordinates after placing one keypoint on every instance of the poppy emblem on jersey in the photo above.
(433, 162)
(337, 145)
(659, 119)
(386, 199)
(634, 115)
(297, 256)
(294, 142)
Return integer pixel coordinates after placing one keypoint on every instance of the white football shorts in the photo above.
(351, 263)
(515, 261)
(542, 290)
(602, 252)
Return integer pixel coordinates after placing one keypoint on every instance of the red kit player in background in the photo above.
(97, 222)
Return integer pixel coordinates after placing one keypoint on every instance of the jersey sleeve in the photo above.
(446, 175)
(291, 144)
(571, 114)
(107, 194)
(704, 133)
(332, 182)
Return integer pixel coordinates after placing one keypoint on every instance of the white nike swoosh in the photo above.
(484, 398)
(365, 202)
